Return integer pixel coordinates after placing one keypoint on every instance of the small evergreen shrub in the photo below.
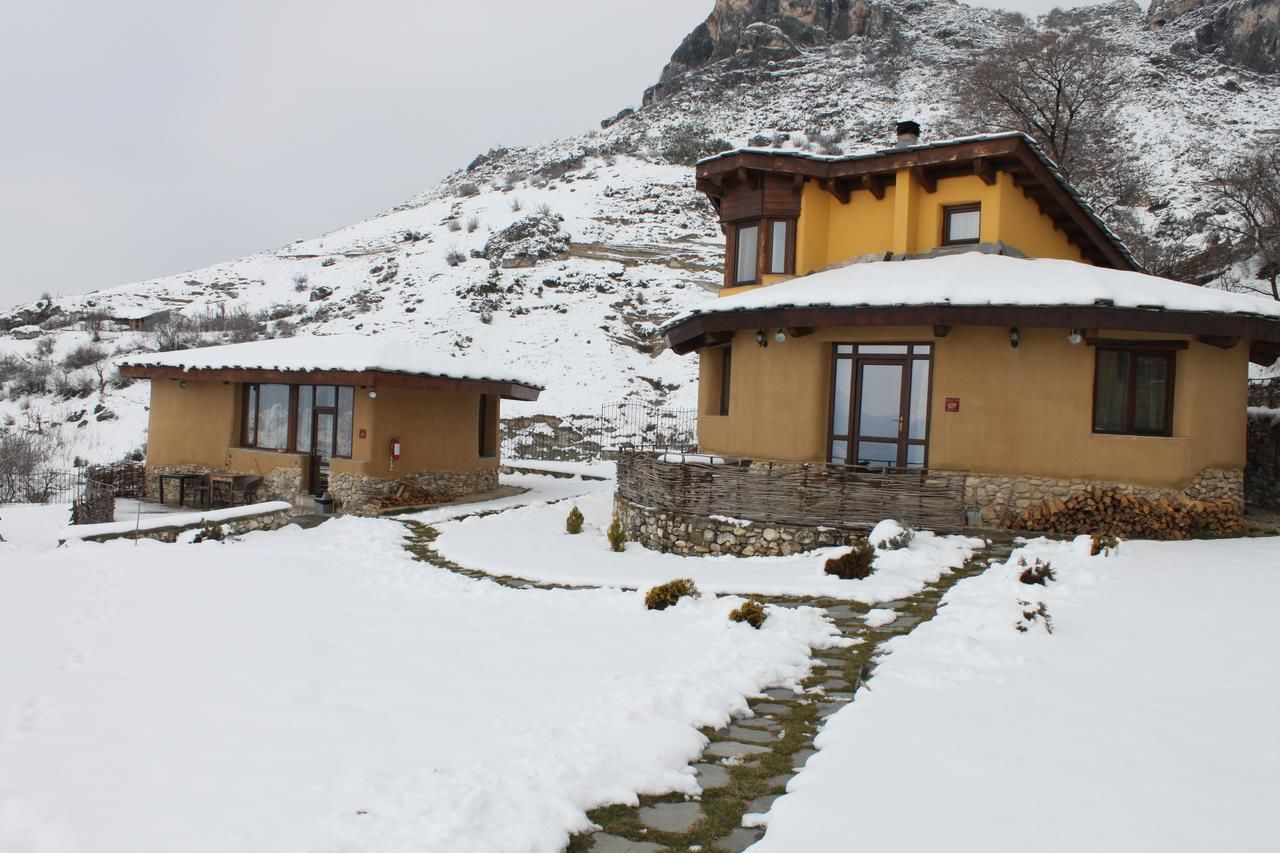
(468, 189)
(751, 612)
(573, 524)
(1104, 544)
(665, 595)
(617, 536)
(412, 236)
(889, 535)
(856, 564)
(1039, 572)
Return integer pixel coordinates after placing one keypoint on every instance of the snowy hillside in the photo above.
(565, 258)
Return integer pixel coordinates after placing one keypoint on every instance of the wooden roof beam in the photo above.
(983, 169)
(925, 179)
(1219, 341)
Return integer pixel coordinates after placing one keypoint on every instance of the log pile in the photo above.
(405, 495)
(1128, 516)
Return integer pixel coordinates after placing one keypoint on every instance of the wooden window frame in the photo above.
(736, 229)
(789, 255)
(857, 359)
(1166, 350)
(951, 209)
(294, 426)
(726, 378)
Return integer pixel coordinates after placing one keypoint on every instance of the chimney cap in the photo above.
(908, 128)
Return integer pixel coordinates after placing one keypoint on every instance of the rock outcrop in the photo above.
(1240, 32)
(767, 30)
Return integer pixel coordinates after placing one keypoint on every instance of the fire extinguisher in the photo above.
(395, 452)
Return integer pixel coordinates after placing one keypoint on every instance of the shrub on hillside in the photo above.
(455, 256)
(855, 564)
(573, 524)
(752, 612)
(468, 189)
(668, 594)
(83, 356)
(685, 146)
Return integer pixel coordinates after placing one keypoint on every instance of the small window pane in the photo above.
(880, 400)
(1111, 401)
(844, 349)
(273, 417)
(915, 456)
(882, 349)
(346, 417)
(877, 454)
(251, 417)
(304, 418)
(921, 349)
(748, 252)
(1151, 392)
(843, 391)
(324, 435)
(778, 247)
(840, 452)
(963, 226)
(325, 396)
(919, 399)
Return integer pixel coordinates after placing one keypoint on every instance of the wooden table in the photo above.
(182, 485)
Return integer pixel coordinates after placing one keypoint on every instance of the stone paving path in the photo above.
(747, 764)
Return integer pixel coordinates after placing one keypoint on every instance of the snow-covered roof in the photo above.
(979, 279)
(348, 353)
(1031, 144)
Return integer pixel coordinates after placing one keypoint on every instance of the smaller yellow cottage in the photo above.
(372, 421)
(945, 333)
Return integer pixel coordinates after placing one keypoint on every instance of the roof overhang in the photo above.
(365, 378)
(1216, 329)
(981, 156)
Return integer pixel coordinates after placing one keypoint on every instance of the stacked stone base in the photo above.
(357, 494)
(280, 484)
(273, 520)
(697, 536)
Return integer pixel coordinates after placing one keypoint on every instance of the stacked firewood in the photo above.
(1133, 517)
(405, 496)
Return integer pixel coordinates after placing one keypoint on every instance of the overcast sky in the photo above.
(141, 138)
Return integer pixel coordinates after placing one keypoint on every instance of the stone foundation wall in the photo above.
(279, 484)
(234, 527)
(695, 536)
(357, 494)
(1001, 500)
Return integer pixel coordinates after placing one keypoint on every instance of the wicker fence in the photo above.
(807, 495)
(95, 504)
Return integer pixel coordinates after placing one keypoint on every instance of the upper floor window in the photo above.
(1133, 391)
(746, 269)
(961, 224)
(781, 248)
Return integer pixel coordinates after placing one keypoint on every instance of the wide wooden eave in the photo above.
(1216, 329)
(364, 378)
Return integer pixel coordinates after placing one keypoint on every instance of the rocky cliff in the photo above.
(1241, 32)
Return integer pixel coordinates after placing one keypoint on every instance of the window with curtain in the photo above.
(1133, 391)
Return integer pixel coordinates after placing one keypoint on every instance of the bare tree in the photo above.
(1063, 89)
(1247, 190)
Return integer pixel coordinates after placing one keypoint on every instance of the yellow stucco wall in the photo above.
(1022, 411)
(200, 425)
(908, 220)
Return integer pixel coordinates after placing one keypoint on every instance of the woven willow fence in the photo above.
(806, 495)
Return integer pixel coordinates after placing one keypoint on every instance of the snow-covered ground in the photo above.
(531, 542)
(1145, 721)
(321, 690)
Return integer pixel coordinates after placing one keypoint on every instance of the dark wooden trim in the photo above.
(924, 179)
(1170, 356)
(726, 379)
(983, 169)
(800, 331)
(1136, 344)
(941, 330)
(367, 378)
(757, 224)
(948, 211)
(1219, 341)
(857, 360)
(687, 336)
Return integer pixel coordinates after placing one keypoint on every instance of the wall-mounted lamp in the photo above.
(373, 395)
(1075, 338)
(762, 339)
(1014, 337)
(182, 384)
(781, 337)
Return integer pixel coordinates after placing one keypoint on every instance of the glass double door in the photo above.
(880, 405)
(318, 432)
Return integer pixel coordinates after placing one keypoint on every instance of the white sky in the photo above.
(141, 138)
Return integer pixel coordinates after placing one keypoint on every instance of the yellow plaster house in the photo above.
(951, 315)
(372, 421)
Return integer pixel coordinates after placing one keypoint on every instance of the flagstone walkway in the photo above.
(747, 764)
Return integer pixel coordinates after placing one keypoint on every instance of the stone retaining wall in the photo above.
(357, 494)
(695, 536)
(234, 527)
